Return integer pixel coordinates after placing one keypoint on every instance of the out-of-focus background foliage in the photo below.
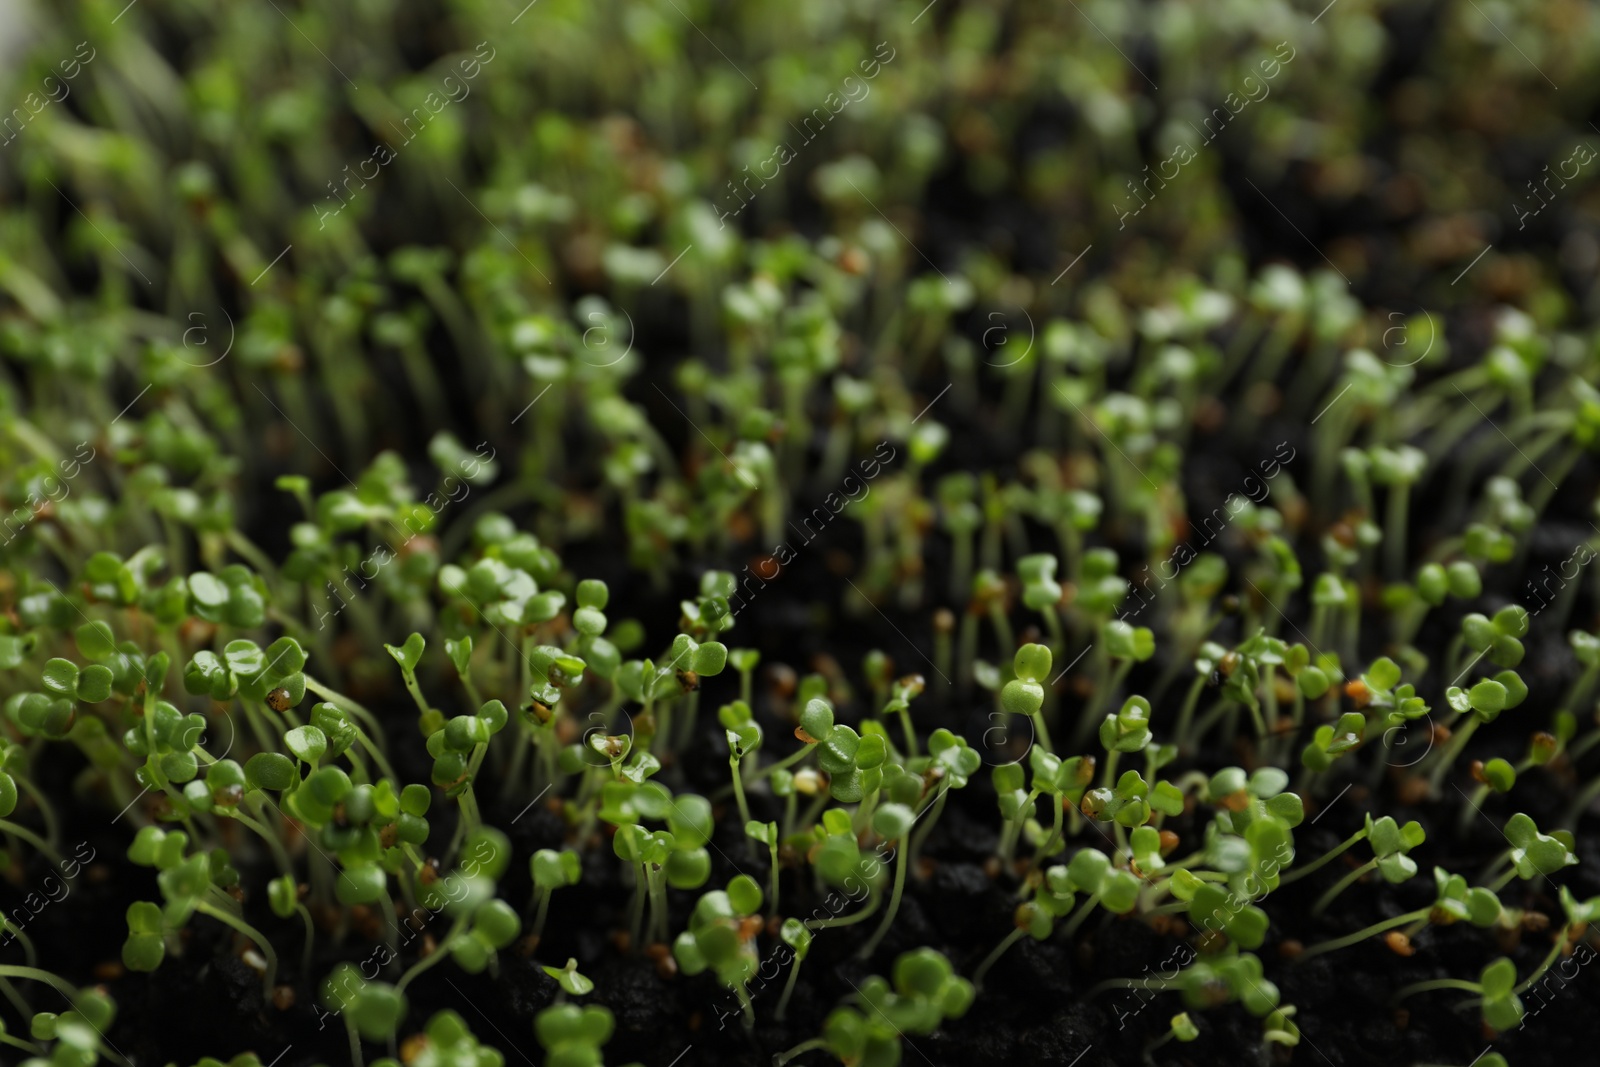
(598, 141)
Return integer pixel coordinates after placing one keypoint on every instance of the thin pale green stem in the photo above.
(33, 839)
(734, 769)
(34, 974)
(873, 904)
(1341, 885)
(1437, 983)
(993, 957)
(434, 957)
(788, 989)
(270, 978)
(1362, 935)
(1297, 873)
(803, 1047)
(1538, 972)
(894, 902)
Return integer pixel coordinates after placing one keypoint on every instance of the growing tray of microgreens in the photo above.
(735, 534)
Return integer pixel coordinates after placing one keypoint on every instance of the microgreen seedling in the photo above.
(925, 993)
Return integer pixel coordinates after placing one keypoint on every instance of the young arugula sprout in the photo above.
(744, 660)
(234, 596)
(1496, 988)
(891, 822)
(78, 1033)
(1483, 703)
(569, 979)
(836, 854)
(1248, 842)
(458, 747)
(1024, 694)
(1378, 690)
(1042, 593)
(1053, 897)
(1332, 854)
(649, 852)
(572, 1036)
(1125, 731)
(1398, 469)
(501, 589)
(926, 991)
(1390, 844)
(481, 923)
(688, 661)
(1125, 645)
(744, 736)
(283, 896)
(767, 834)
(961, 518)
(550, 671)
(446, 1042)
(950, 763)
(1179, 1028)
(905, 690)
(1064, 781)
(797, 936)
(1333, 740)
(1534, 854)
(815, 726)
(551, 870)
(371, 1010)
(188, 885)
(721, 937)
(1572, 933)
(1116, 889)
(1209, 982)
(1454, 902)
(854, 762)
(1496, 638)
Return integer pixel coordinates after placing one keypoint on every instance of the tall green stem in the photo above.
(34, 974)
(803, 1047)
(270, 978)
(736, 770)
(1448, 756)
(430, 960)
(33, 839)
(999, 950)
(873, 904)
(1341, 885)
(1298, 873)
(894, 902)
(788, 989)
(1362, 935)
(1437, 983)
(356, 1059)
